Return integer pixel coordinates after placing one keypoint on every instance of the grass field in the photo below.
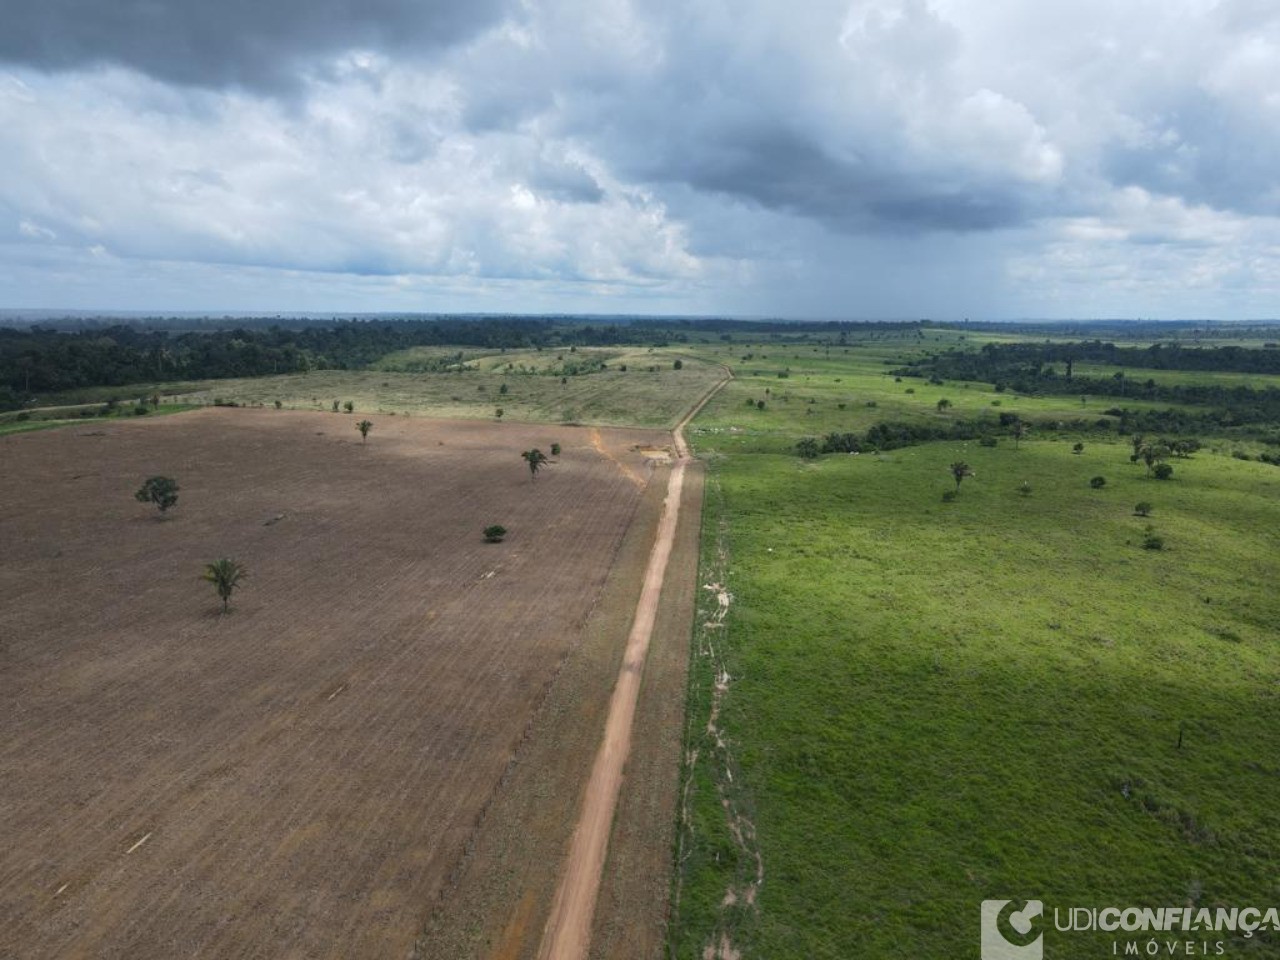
(916, 705)
(649, 393)
(301, 777)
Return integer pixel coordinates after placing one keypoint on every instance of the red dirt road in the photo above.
(567, 935)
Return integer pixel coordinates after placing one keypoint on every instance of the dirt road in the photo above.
(567, 935)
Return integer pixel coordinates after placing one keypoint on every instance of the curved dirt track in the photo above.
(567, 935)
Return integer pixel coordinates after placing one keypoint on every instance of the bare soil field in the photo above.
(301, 777)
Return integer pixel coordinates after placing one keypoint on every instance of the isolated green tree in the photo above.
(943, 404)
(960, 470)
(494, 533)
(225, 575)
(364, 426)
(536, 459)
(349, 406)
(162, 491)
(1162, 471)
(1143, 508)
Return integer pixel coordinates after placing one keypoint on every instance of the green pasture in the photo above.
(935, 703)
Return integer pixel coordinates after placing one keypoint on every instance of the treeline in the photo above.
(1007, 360)
(41, 360)
(1049, 369)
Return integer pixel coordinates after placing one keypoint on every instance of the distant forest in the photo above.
(49, 359)
(41, 360)
(1049, 368)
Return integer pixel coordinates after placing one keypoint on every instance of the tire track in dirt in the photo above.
(567, 934)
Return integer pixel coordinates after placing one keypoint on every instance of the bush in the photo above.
(1152, 540)
(1077, 448)
(1162, 471)
(1142, 508)
(1098, 483)
(948, 496)
(1025, 489)
(494, 533)
(807, 448)
(24, 416)
(349, 406)
(140, 410)
(678, 365)
(555, 449)
(988, 442)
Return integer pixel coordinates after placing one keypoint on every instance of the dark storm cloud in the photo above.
(784, 171)
(251, 44)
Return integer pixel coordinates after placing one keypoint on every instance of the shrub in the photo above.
(1240, 455)
(494, 533)
(1142, 508)
(1025, 489)
(140, 410)
(504, 389)
(279, 404)
(555, 449)
(911, 390)
(678, 365)
(1162, 471)
(759, 404)
(349, 407)
(1098, 483)
(1152, 540)
(948, 496)
(988, 441)
(24, 416)
(162, 491)
(807, 448)
(1077, 448)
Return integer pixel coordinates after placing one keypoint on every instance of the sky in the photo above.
(875, 159)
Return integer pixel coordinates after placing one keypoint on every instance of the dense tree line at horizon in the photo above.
(42, 360)
(1033, 368)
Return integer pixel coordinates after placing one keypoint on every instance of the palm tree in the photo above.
(536, 459)
(225, 575)
(960, 470)
(364, 426)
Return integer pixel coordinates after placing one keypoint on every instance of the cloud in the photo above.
(255, 45)
(856, 157)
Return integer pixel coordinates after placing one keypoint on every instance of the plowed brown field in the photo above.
(297, 778)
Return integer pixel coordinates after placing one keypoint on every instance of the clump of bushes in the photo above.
(1152, 540)
(494, 533)
(1098, 482)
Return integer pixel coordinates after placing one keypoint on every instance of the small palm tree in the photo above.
(225, 575)
(364, 426)
(536, 459)
(960, 470)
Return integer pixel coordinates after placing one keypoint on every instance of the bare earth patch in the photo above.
(300, 777)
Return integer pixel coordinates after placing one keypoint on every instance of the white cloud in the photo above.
(855, 157)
